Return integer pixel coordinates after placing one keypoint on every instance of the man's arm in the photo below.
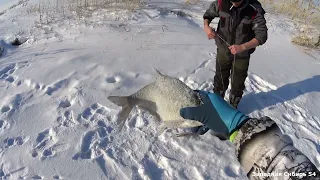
(211, 13)
(259, 27)
(235, 49)
(216, 114)
(206, 22)
(260, 30)
(208, 16)
(251, 44)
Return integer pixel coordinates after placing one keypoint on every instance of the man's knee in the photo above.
(223, 58)
(238, 78)
(242, 64)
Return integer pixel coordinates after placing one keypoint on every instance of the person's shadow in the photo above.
(259, 101)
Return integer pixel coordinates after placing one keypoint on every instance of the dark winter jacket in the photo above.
(238, 25)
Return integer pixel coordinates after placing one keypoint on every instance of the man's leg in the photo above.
(221, 78)
(221, 82)
(238, 78)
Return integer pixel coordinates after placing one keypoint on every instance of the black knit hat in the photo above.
(235, 0)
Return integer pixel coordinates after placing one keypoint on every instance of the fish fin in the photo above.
(195, 131)
(158, 72)
(168, 124)
(187, 123)
(186, 134)
(123, 115)
(125, 111)
(151, 111)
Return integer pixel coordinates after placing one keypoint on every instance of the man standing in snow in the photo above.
(241, 28)
(262, 150)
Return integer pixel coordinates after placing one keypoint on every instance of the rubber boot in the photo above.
(221, 93)
(234, 100)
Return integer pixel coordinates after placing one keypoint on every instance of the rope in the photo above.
(222, 39)
(221, 75)
(232, 72)
(233, 64)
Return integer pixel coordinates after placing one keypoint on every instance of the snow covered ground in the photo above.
(6, 4)
(55, 119)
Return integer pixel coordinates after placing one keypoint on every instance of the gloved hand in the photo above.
(215, 113)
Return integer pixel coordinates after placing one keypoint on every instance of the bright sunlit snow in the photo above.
(56, 121)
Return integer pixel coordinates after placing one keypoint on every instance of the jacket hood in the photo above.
(255, 4)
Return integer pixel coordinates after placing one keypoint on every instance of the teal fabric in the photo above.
(229, 115)
(215, 113)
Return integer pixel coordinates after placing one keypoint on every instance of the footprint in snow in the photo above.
(5, 173)
(113, 79)
(65, 104)
(93, 141)
(4, 125)
(94, 113)
(37, 177)
(46, 145)
(18, 141)
(231, 171)
(67, 83)
(6, 73)
(5, 109)
(66, 117)
(56, 177)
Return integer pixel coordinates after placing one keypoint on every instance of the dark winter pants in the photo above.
(224, 67)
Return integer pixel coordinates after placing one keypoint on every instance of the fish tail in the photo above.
(125, 111)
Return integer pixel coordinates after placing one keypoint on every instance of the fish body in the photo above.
(163, 98)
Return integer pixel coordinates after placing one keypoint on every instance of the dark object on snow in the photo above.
(1, 50)
(16, 42)
(237, 25)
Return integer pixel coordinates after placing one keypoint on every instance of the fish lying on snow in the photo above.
(163, 99)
